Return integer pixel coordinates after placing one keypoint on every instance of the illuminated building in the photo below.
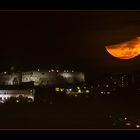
(16, 92)
(52, 77)
(73, 90)
(122, 80)
(42, 78)
(10, 78)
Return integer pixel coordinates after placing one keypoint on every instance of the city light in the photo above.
(108, 92)
(128, 124)
(79, 91)
(61, 89)
(5, 72)
(78, 87)
(87, 91)
(125, 118)
(57, 89)
(66, 75)
(138, 126)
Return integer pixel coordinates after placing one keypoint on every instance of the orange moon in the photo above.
(125, 50)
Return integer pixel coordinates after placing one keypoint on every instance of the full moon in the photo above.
(125, 50)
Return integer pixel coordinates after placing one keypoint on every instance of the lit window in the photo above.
(79, 91)
(61, 89)
(128, 124)
(138, 126)
(125, 118)
(66, 75)
(70, 89)
(17, 101)
(87, 91)
(56, 89)
(78, 87)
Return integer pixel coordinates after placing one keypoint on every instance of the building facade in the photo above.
(17, 94)
(10, 78)
(50, 78)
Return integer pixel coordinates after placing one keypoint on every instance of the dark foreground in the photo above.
(69, 114)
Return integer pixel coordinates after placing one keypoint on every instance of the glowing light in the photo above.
(70, 89)
(128, 124)
(38, 70)
(52, 70)
(125, 118)
(66, 75)
(17, 101)
(57, 71)
(108, 92)
(72, 71)
(61, 89)
(56, 89)
(87, 91)
(79, 91)
(125, 50)
(78, 87)
(5, 72)
(138, 126)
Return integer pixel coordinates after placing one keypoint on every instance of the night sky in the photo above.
(67, 39)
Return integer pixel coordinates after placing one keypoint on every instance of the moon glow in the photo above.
(125, 50)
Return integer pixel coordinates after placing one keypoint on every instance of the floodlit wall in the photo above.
(10, 78)
(41, 78)
(7, 94)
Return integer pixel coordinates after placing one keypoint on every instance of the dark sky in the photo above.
(67, 39)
